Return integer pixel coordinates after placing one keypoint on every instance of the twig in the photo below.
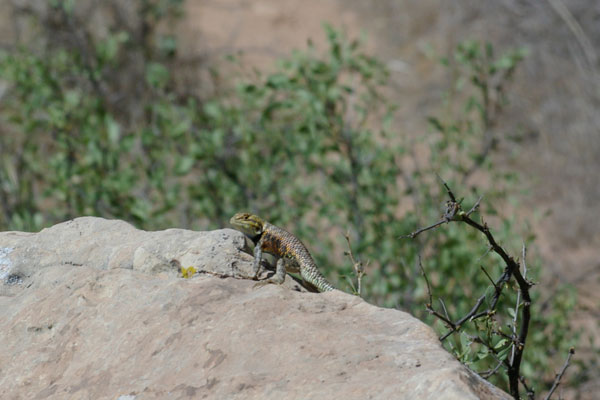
(359, 268)
(444, 308)
(491, 372)
(488, 276)
(530, 391)
(452, 210)
(560, 374)
(483, 255)
(475, 206)
(426, 281)
(421, 230)
(450, 194)
(429, 305)
(518, 303)
(492, 351)
(473, 313)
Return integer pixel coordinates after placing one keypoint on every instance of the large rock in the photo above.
(95, 309)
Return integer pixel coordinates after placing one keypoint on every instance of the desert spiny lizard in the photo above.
(291, 253)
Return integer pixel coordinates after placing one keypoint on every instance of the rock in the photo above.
(97, 310)
(104, 244)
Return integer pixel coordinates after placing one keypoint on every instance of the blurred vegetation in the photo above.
(94, 123)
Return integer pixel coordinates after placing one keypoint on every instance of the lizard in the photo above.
(291, 253)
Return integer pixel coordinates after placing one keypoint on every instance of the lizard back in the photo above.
(283, 244)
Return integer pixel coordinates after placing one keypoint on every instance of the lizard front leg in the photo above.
(257, 258)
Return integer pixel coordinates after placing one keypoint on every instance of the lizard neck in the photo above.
(255, 238)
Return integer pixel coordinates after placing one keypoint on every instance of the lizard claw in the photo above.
(275, 281)
(260, 284)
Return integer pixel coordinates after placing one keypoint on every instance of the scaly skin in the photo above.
(292, 254)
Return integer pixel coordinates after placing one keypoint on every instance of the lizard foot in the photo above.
(268, 281)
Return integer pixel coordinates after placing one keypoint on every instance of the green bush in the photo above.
(308, 146)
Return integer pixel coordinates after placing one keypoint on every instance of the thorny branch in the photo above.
(454, 213)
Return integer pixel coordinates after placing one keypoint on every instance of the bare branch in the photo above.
(359, 268)
(429, 304)
(491, 372)
(518, 304)
(450, 194)
(488, 276)
(421, 230)
(475, 206)
(530, 391)
(560, 374)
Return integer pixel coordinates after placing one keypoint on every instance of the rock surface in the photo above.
(95, 309)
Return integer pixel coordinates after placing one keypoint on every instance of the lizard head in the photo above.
(249, 224)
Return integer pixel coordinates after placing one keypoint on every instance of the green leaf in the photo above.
(157, 75)
(113, 129)
(482, 352)
(504, 353)
(511, 312)
(72, 98)
(167, 44)
(183, 165)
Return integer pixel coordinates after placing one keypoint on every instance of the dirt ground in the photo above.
(554, 99)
